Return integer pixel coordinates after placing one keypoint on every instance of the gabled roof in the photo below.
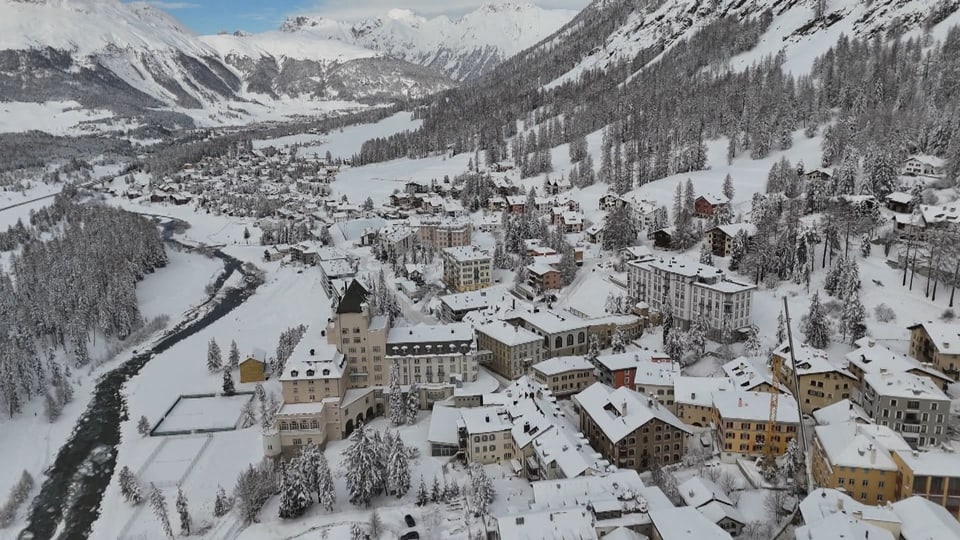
(353, 299)
(620, 412)
(925, 520)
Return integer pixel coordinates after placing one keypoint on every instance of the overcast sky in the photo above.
(211, 16)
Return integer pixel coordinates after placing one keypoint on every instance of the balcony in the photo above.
(910, 428)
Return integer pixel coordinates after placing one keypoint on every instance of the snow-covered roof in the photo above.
(717, 511)
(685, 523)
(699, 390)
(427, 333)
(899, 197)
(904, 385)
(755, 406)
(685, 266)
(925, 520)
(508, 334)
(623, 533)
(443, 425)
(746, 373)
(483, 420)
(567, 492)
(337, 268)
(562, 364)
(945, 336)
(472, 299)
(571, 453)
(540, 268)
(299, 409)
(871, 357)
(620, 412)
(714, 199)
(633, 359)
(822, 503)
(841, 412)
(867, 446)
(931, 462)
(928, 159)
(938, 214)
(549, 321)
(697, 491)
(810, 361)
(466, 253)
(325, 363)
(548, 525)
(842, 527)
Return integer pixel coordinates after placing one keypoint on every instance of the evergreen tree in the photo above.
(233, 360)
(294, 498)
(697, 337)
(214, 360)
(852, 320)
(675, 344)
(184, 512)
(159, 505)
(706, 256)
(815, 325)
(422, 496)
(781, 328)
(222, 504)
(412, 408)
(398, 469)
(753, 347)
(568, 265)
(130, 486)
(618, 343)
(375, 525)
(143, 426)
(326, 490)
(594, 351)
(397, 403)
(865, 246)
(228, 388)
(728, 187)
(364, 472)
(481, 487)
(436, 493)
(620, 228)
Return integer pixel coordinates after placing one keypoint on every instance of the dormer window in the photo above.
(294, 373)
(326, 372)
(310, 373)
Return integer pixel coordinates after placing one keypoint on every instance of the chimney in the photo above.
(871, 343)
(487, 419)
(313, 352)
(739, 402)
(624, 408)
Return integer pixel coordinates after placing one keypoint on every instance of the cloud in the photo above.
(161, 4)
(349, 10)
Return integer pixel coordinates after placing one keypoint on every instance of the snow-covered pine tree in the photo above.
(222, 503)
(675, 344)
(594, 351)
(620, 228)
(412, 408)
(423, 497)
(453, 491)
(294, 497)
(853, 317)
(364, 473)
(381, 450)
(865, 245)
(358, 532)
(815, 324)
(618, 343)
(306, 464)
(397, 403)
(214, 359)
(482, 491)
(398, 470)
(706, 255)
(728, 187)
(143, 426)
(233, 359)
(738, 250)
(228, 388)
(159, 505)
(833, 282)
(781, 328)
(326, 494)
(568, 265)
(375, 525)
(436, 493)
(183, 510)
(130, 486)
(753, 346)
(696, 341)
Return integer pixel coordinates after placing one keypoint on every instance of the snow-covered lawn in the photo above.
(346, 143)
(217, 412)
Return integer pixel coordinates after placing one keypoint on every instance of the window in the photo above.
(569, 340)
(558, 343)
(297, 442)
(581, 337)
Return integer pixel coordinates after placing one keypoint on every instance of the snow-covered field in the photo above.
(348, 141)
(56, 118)
(217, 412)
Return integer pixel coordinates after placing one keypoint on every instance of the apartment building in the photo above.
(466, 268)
(445, 232)
(485, 435)
(454, 307)
(690, 290)
(751, 374)
(333, 270)
(543, 277)
(693, 398)
(514, 349)
(871, 357)
(651, 373)
(630, 430)
(741, 420)
(938, 344)
(563, 334)
(564, 375)
(856, 458)
(933, 475)
(912, 405)
(720, 239)
(822, 382)
(434, 357)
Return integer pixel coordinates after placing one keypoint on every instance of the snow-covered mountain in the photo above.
(135, 59)
(462, 48)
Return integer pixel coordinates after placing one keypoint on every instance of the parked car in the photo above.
(408, 519)
(412, 535)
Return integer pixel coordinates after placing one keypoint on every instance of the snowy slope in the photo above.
(794, 29)
(462, 48)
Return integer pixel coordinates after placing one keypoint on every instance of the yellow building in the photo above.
(514, 348)
(937, 344)
(934, 475)
(466, 268)
(741, 423)
(564, 375)
(822, 383)
(856, 458)
(693, 398)
(254, 368)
